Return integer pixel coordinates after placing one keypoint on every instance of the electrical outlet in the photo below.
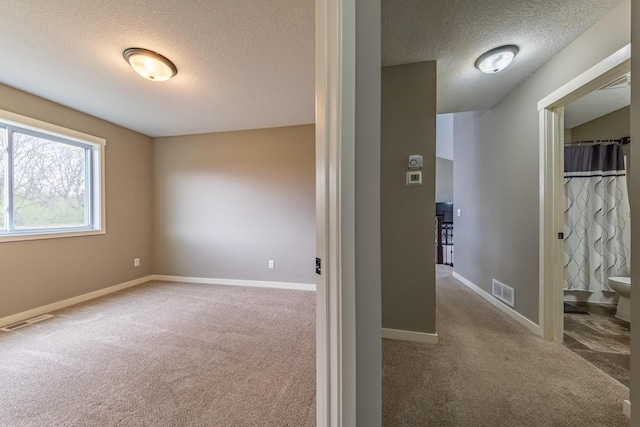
(136, 262)
(272, 264)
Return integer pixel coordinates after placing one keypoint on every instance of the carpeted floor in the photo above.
(488, 370)
(165, 354)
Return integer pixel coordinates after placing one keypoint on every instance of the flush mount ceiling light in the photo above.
(150, 65)
(496, 59)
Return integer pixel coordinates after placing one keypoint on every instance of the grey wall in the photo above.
(634, 196)
(444, 180)
(226, 203)
(497, 185)
(469, 247)
(367, 215)
(408, 252)
(41, 272)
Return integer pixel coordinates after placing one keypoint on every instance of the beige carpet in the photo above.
(165, 354)
(489, 370)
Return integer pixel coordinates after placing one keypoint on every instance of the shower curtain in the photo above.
(597, 217)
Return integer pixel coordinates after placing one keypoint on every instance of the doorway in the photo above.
(552, 136)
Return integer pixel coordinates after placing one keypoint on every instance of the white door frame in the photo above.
(551, 111)
(335, 215)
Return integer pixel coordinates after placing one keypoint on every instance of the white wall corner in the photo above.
(536, 329)
(400, 335)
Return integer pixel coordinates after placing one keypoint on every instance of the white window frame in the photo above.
(95, 168)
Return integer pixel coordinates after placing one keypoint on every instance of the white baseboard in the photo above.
(422, 337)
(626, 408)
(235, 282)
(19, 317)
(536, 329)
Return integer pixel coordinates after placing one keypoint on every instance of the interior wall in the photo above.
(408, 251)
(227, 203)
(40, 272)
(469, 225)
(504, 177)
(367, 215)
(614, 125)
(444, 136)
(444, 180)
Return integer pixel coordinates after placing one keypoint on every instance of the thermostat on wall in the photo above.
(415, 161)
(414, 178)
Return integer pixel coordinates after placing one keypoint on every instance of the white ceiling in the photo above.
(246, 64)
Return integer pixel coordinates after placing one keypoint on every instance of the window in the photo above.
(51, 180)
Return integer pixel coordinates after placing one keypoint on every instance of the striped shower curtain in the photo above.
(596, 217)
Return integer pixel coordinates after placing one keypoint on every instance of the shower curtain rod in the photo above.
(622, 141)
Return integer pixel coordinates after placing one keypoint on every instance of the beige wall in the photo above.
(41, 272)
(408, 127)
(614, 125)
(368, 316)
(226, 203)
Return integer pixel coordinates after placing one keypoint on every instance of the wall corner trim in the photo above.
(626, 408)
(536, 329)
(19, 317)
(235, 282)
(422, 337)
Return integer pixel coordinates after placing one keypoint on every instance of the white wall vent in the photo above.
(24, 323)
(503, 292)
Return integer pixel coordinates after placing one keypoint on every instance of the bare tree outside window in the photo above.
(49, 183)
(50, 180)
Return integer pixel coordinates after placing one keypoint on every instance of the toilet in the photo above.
(622, 285)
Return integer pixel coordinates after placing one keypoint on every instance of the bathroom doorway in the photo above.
(597, 227)
(577, 306)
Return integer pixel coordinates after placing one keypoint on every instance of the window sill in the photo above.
(52, 235)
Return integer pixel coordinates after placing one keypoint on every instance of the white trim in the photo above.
(335, 182)
(235, 282)
(400, 335)
(39, 125)
(626, 408)
(594, 78)
(96, 202)
(551, 132)
(551, 249)
(502, 307)
(43, 235)
(9, 320)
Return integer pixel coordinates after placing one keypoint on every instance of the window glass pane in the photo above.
(3, 157)
(49, 183)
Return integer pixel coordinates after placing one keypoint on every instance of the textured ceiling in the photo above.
(246, 64)
(456, 32)
(596, 104)
(241, 63)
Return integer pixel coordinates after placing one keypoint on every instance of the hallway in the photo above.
(488, 370)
